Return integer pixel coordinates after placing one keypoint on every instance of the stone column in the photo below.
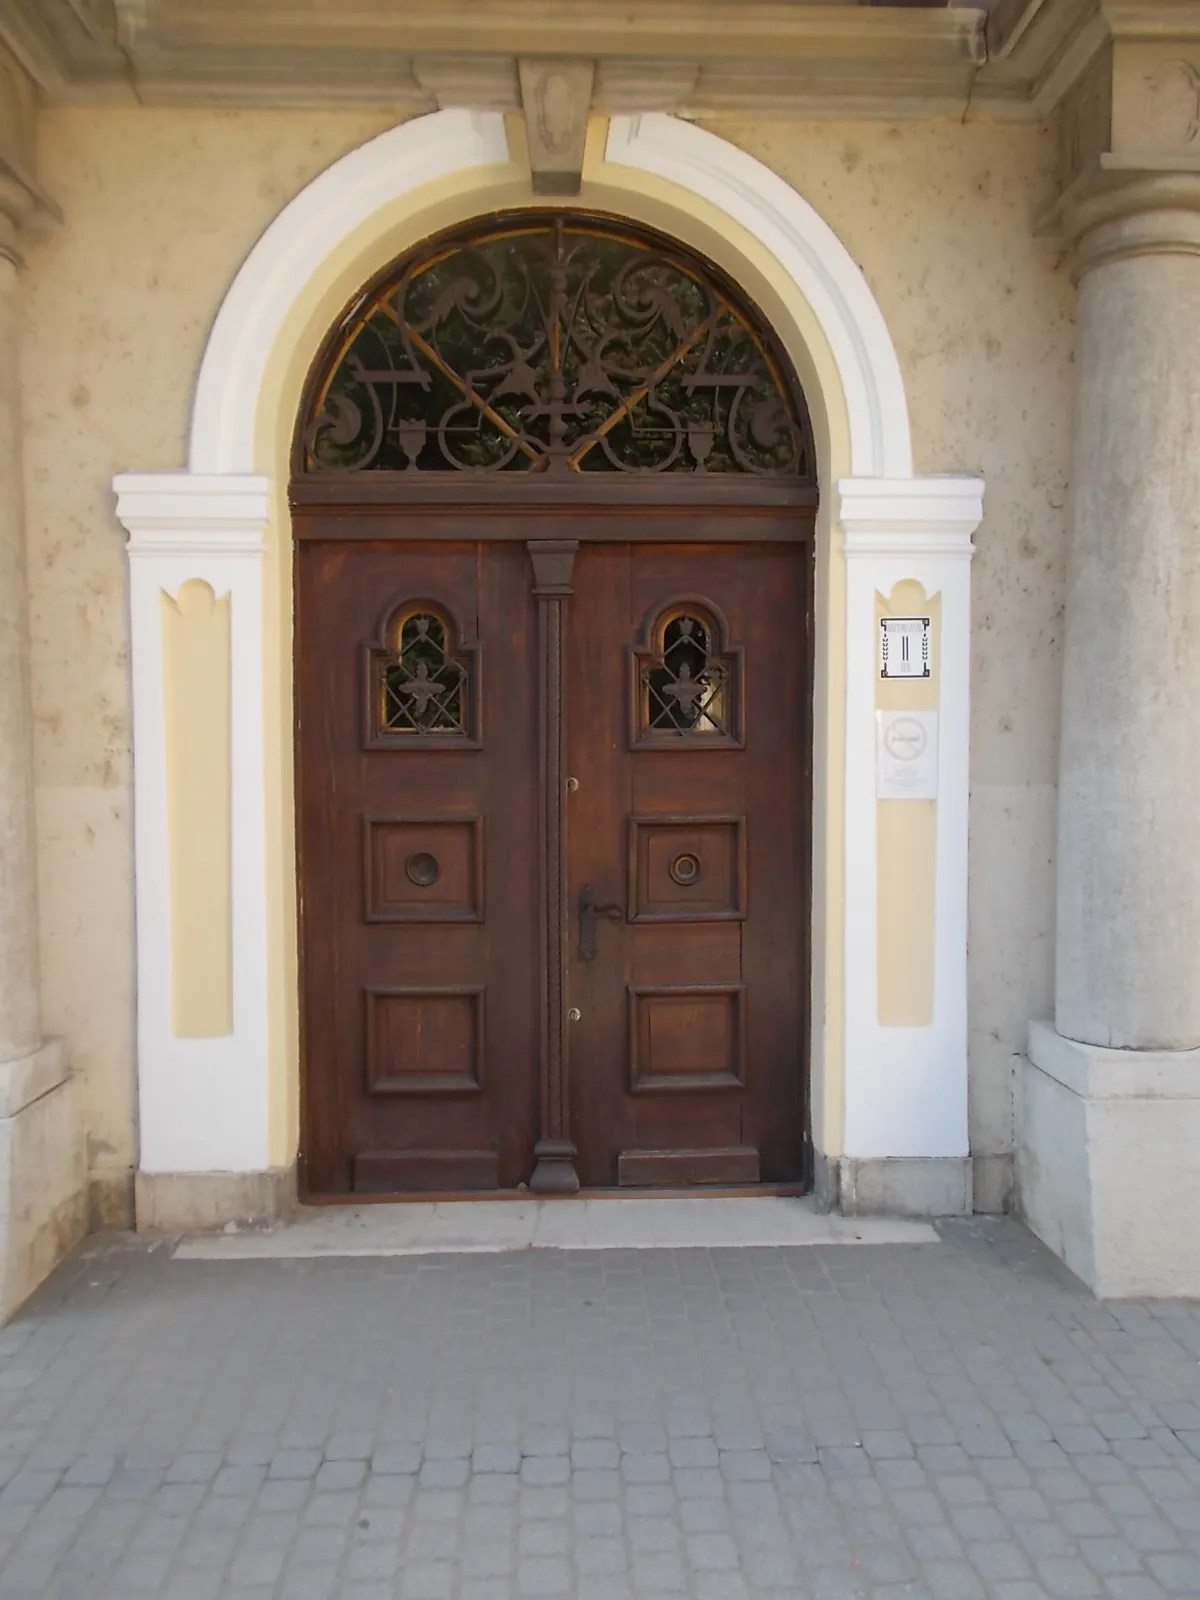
(1109, 1145)
(43, 1175)
(1128, 974)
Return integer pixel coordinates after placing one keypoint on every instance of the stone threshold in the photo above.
(455, 1227)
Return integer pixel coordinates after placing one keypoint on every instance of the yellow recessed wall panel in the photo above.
(196, 711)
(906, 841)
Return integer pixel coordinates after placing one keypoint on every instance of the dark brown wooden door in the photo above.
(450, 695)
(688, 853)
(416, 691)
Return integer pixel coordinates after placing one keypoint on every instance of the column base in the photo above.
(43, 1170)
(923, 1186)
(1108, 1163)
(206, 1202)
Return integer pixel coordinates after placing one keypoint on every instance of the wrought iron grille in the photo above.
(423, 688)
(686, 691)
(554, 345)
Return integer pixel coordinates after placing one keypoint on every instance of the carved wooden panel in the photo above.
(687, 869)
(425, 1041)
(423, 869)
(687, 1036)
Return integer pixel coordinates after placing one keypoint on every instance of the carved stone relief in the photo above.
(1156, 99)
(1086, 126)
(557, 96)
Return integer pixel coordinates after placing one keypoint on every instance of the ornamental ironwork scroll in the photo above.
(557, 344)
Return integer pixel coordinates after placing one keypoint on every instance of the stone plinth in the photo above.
(1109, 1162)
(43, 1174)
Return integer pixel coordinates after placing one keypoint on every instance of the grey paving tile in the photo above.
(951, 1421)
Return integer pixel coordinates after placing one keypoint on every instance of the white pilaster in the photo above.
(202, 1102)
(906, 1087)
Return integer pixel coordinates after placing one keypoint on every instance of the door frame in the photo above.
(218, 1106)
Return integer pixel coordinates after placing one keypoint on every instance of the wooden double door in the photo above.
(554, 856)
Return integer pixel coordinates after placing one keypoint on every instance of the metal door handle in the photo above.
(588, 912)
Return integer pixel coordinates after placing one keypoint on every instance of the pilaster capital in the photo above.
(1129, 158)
(1122, 214)
(917, 517)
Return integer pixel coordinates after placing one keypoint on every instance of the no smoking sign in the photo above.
(906, 755)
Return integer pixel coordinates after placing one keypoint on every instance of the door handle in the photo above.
(588, 912)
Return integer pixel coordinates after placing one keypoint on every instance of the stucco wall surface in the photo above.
(162, 206)
(160, 209)
(940, 217)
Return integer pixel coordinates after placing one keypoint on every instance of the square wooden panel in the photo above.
(423, 869)
(686, 1036)
(687, 869)
(425, 1041)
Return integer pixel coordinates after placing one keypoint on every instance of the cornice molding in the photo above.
(712, 30)
(185, 513)
(24, 204)
(932, 516)
(699, 58)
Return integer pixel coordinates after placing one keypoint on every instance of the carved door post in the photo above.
(553, 560)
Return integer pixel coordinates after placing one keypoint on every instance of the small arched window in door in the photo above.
(419, 681)
(688, 680)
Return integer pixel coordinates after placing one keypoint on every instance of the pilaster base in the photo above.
(1108, 1163)
(43, 1170)
(206, 1202)
(927, 1186)
(554, 1171)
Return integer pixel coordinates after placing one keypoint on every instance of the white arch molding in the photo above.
(204, 1102)
(406, 159)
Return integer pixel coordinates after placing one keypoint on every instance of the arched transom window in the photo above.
(554, 344)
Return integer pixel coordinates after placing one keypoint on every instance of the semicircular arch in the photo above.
(450, 166)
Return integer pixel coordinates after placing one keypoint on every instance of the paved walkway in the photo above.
(952, 1420)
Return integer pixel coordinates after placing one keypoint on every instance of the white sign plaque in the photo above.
(904, 647)
(906, 755)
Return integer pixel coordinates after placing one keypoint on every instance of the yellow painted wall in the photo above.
(162, 206)
(906, 841)
(196, 695)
